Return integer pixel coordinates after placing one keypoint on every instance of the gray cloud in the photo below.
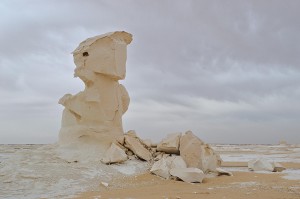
(225, 70)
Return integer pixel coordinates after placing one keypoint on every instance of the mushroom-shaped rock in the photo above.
(188, 174)
(197, 154)
(114, 154)
(170, 144)
(134, 144)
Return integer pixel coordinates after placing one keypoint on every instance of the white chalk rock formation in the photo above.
(260, 165)
(197, 154)
(264, 165)
(188, 174)
(176, 162)
(162, 167)
(94, 115)
(114, 155)
(170, 144)
(133, 143)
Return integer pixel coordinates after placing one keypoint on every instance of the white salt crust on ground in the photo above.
(35, 171)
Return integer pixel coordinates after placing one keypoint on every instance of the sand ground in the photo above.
(248, 185)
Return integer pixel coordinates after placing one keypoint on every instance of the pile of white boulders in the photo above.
(178, 156)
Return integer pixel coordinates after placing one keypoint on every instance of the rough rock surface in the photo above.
(162, 167)
(134, 144)
(260, 165)
(188, 174)
(170, 144)
(114, 155)
(197, 154)
(264, 165)
(94, 115)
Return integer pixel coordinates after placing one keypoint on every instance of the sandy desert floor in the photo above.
(34, 171)
(241, 185)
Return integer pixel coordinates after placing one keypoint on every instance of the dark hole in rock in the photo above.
(85, 54)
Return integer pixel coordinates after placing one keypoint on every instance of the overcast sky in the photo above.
(227, 70)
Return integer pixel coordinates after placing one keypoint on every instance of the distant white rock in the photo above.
(278, 167)
(188, 174)
(260, 165)
(264, 165)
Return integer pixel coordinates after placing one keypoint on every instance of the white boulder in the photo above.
(197, 154)
(260, 165)
(188, 174)
(175, 162)
(170, 144)
(114, 154)
(134, 144)
(163, 166)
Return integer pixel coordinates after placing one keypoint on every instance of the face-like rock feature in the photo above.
(104, 55)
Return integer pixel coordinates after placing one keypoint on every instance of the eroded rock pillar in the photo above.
(94, 115)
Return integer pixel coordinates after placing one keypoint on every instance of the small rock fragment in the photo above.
(223, 172)
(104, 184)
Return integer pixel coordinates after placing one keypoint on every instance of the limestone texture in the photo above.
(114, 155)
(94, 115)
(170, 144)
(262, 164)
(197, 154)
(134, 144)
(162, 167)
